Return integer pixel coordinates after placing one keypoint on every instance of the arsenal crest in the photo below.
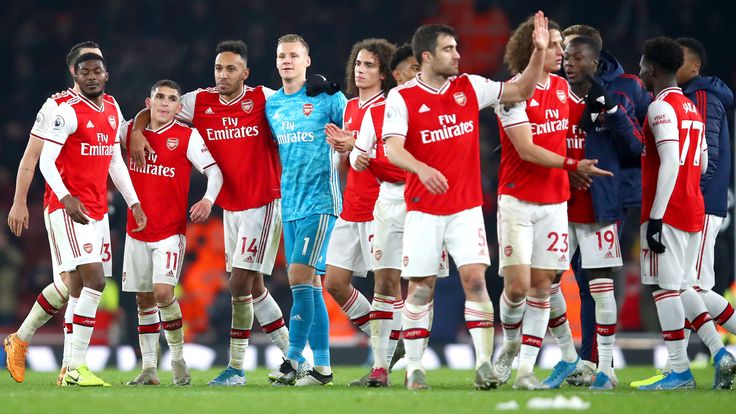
(562, 96)
(172, 143)
(460, 98)
(111, 120)
(507, 251)
(307, 109)
(378, 254)
(87, 247)
(247, 105)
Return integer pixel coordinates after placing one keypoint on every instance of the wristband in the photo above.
(570, 164)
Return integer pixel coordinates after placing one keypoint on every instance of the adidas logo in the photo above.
(296, 317)
(170, 273)
(424, 108)
(608, 255)
(533, 103)
(563, 258)
(249, 259)
(209, 111)
(90, 124)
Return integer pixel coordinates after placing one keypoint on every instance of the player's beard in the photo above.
(93, 95)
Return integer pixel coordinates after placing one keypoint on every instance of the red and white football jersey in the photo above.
(580, 205)
(361, 190)
(369, 142)
(163, 184)
(441, 129)
(673, 117)
(239, 138)
(548, 113)
(88, 135)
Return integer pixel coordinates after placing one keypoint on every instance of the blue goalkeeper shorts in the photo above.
(306, 239)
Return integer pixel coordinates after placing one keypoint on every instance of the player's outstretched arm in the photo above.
(18, 215)
(138, 142)
(521, 137)
(435, 182)
(523, 87)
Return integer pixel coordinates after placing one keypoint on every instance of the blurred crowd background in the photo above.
(147, 40)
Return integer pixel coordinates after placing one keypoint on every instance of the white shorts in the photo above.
(426, 236)
(55, 259)
(705, 276)
(252, 237)
(149, 263)
(675, 268)
(532, 234)
(75, 244)
(388, 226)
(350, 246)
(598, 242)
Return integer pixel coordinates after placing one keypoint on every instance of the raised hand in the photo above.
(339, 139)
(540, 36)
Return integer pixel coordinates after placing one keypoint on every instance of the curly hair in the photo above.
(665, 53)
(520, 46)
(382, 49)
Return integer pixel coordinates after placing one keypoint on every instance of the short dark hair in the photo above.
(87, 57)
(695, 47)
(425, 38)
(234, 46)
(76, 50)
(520, 46)
(382, 49)
(584, 30)
(168, 83)
(587, 41)
(400, 54)
(665, 53)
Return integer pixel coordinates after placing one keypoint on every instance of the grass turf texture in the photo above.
(452, 392)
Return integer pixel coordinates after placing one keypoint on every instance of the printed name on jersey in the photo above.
(247, 105)
(231, 130)
(307, 109)
(449, 129)
(552, 123)
(172, 143)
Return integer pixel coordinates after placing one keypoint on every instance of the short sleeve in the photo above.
(396, 118)
(488, 91)
(63, 124)
(267, 92)
(44, 117)
(187, 106)
(662, 121)
(197, 152)
(123, 133)
(512, 114)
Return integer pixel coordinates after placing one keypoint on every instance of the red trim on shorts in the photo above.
(703, 236)
(264, 232)
(71, 234)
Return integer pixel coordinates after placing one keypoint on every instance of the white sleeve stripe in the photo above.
(51, 140)
(515, 124)
(209, 165)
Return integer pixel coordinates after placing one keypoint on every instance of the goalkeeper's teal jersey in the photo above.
(309, 183)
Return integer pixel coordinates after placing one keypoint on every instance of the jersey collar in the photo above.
(162, 128)
(666, 91)
(237, 98)
(91, 104)
(373, 99)
(430, 89)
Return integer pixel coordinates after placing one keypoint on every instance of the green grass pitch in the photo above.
(451, 393)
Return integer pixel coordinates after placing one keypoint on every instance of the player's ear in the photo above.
(148, 103)
(246, 73)
(309, 61)
(179, 106)
(397, 76)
